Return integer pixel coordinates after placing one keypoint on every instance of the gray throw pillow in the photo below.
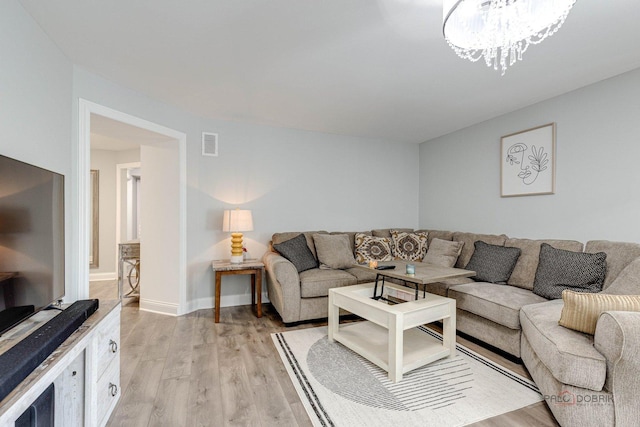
(559, 269)
(443, 252)
(297, 251)
(334, 251)
(492, 263)
(627, 282)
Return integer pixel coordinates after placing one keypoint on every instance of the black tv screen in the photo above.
(31, 240)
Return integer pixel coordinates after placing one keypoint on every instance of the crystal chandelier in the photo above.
(500, 31)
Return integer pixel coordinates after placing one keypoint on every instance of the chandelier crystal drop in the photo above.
(500, 31)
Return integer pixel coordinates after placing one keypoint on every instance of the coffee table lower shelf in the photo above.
(371, 341)
(389, 337)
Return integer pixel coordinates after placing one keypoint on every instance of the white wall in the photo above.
(128, 156)
(291, 179)
(35, 105)
(159, 253)
(597, 181)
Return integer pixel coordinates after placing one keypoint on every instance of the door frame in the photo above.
(83, 163)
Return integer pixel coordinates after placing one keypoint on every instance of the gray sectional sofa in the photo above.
(587, 380)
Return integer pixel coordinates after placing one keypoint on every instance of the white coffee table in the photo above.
(389, 338)
(424, 274)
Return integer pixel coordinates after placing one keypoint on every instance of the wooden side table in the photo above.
(252, 267)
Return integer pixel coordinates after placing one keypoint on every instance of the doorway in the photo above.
(163, 247)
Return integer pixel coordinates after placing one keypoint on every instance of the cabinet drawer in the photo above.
(108, 392)
(108, 343)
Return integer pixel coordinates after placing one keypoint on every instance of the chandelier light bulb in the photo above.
(500, 31)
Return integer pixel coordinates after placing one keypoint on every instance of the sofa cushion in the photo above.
(334, 251)
(524, 272)
(627, 282)
(437, 234)
(581, 311)
(297, 252)
(352, 236)
(559, 270)
(317, 282)
(567, 354)
(492, 263)
(372, 248)
(619, 255)
(498, 303)
(409, 246)
(469, 239)
(442, 288)
(362, 275)
(282, 237)
(443, 252)
(386, 232)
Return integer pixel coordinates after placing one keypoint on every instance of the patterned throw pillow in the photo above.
(492, 263)
(297, 251)
(409, 246)
(559, 269)
(372, 248)
(581, 310)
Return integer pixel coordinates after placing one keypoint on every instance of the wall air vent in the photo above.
(209, 144)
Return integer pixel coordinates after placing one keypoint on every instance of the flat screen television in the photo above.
(31, 240)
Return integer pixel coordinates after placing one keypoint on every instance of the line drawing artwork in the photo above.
(537, 161)
(527, 162)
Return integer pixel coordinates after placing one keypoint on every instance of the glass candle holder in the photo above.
(411, 269)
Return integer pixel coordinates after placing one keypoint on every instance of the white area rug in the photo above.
(340, 388)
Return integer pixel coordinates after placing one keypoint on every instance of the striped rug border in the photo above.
(472, 354)
(321, 414)
(323, 417)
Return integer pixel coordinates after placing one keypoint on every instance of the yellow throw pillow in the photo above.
(581, 310)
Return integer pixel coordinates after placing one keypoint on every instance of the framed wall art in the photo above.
(95, 219)
(527, 160)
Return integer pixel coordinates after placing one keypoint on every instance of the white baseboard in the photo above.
(159, 307)
(94, 277)
(225, 301)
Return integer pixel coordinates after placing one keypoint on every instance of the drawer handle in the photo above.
(113, 346)
(113, 389)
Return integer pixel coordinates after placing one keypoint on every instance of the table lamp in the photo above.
(236, 221)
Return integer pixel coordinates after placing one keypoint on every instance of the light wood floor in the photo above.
(190, 371)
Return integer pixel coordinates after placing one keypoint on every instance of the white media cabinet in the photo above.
(85, 371)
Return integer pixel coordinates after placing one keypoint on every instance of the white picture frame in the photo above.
(528, 162)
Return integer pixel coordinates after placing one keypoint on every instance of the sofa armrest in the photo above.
(617, 337)
(283, 286)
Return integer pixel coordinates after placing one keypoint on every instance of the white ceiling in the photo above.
(102, 141)
(371, 68)
(112, 135)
